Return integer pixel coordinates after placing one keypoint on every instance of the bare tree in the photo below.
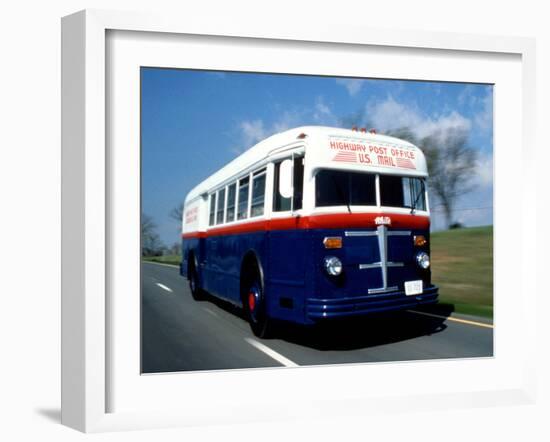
(356, 119)
(148, 226)
(175, 249)
(451, 163)
(177, 212)
(404, 133)
(151, 244)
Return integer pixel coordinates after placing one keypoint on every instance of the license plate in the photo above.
(413, 287)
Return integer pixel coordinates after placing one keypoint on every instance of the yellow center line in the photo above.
(449, 318)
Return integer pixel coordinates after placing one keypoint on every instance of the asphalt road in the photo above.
(180, 334)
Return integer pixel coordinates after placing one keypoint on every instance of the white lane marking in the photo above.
(211, 312)
(161, 264)
(163, 287)
(450, 318)
(271, 353)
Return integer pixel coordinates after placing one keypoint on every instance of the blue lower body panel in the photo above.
(359, 305)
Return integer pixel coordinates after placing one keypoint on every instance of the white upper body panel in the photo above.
(325, 148)
(362, 151)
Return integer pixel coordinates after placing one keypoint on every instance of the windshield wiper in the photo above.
(340, 192)
(413, 206)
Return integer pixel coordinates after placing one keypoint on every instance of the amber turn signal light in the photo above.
(420, 240)
(333, 242)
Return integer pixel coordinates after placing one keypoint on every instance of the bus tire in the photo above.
(255, 306)
(196, 292)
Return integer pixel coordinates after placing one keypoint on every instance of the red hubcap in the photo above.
(251, 301)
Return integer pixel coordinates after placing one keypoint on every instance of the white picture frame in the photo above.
(86, 315)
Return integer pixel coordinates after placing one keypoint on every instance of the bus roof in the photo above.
(334, 148)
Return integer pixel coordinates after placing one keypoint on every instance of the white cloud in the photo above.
(322, 114)
(467, 97)
(443, 124)
(484, 119)
(353, 86)
(287, 120)
(252, 131)
(484, 169)
(321, 109)
(390, 114)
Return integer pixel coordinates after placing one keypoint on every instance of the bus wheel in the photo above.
(255, 308)
(196, 292)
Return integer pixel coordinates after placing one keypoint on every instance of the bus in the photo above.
(311, 224)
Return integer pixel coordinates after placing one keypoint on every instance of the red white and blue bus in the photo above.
(310, 224)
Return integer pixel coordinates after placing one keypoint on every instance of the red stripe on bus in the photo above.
(327, 221)
(351, 220)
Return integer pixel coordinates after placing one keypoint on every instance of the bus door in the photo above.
(288, 244)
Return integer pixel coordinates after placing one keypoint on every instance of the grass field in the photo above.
(462, 267)
(166, 259)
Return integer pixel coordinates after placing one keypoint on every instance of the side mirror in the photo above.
(285, 179)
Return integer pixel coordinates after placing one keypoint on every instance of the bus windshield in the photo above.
(402, 191)
(344, 188)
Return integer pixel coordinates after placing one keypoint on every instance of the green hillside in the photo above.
(462, 267)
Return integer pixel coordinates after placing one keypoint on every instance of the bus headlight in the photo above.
(423, 260)
(333, 266)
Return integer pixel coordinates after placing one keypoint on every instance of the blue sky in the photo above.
(194, 122)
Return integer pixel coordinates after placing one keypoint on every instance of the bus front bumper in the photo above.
(359, 305)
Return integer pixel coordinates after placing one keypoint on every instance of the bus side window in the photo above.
(221, 206)
(280, 203)
(242, 211)
(258, 193)
(212, 209)
(231, 202)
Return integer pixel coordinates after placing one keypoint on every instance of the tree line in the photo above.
(151, 244)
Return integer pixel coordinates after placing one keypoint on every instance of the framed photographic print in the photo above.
(292, 222)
